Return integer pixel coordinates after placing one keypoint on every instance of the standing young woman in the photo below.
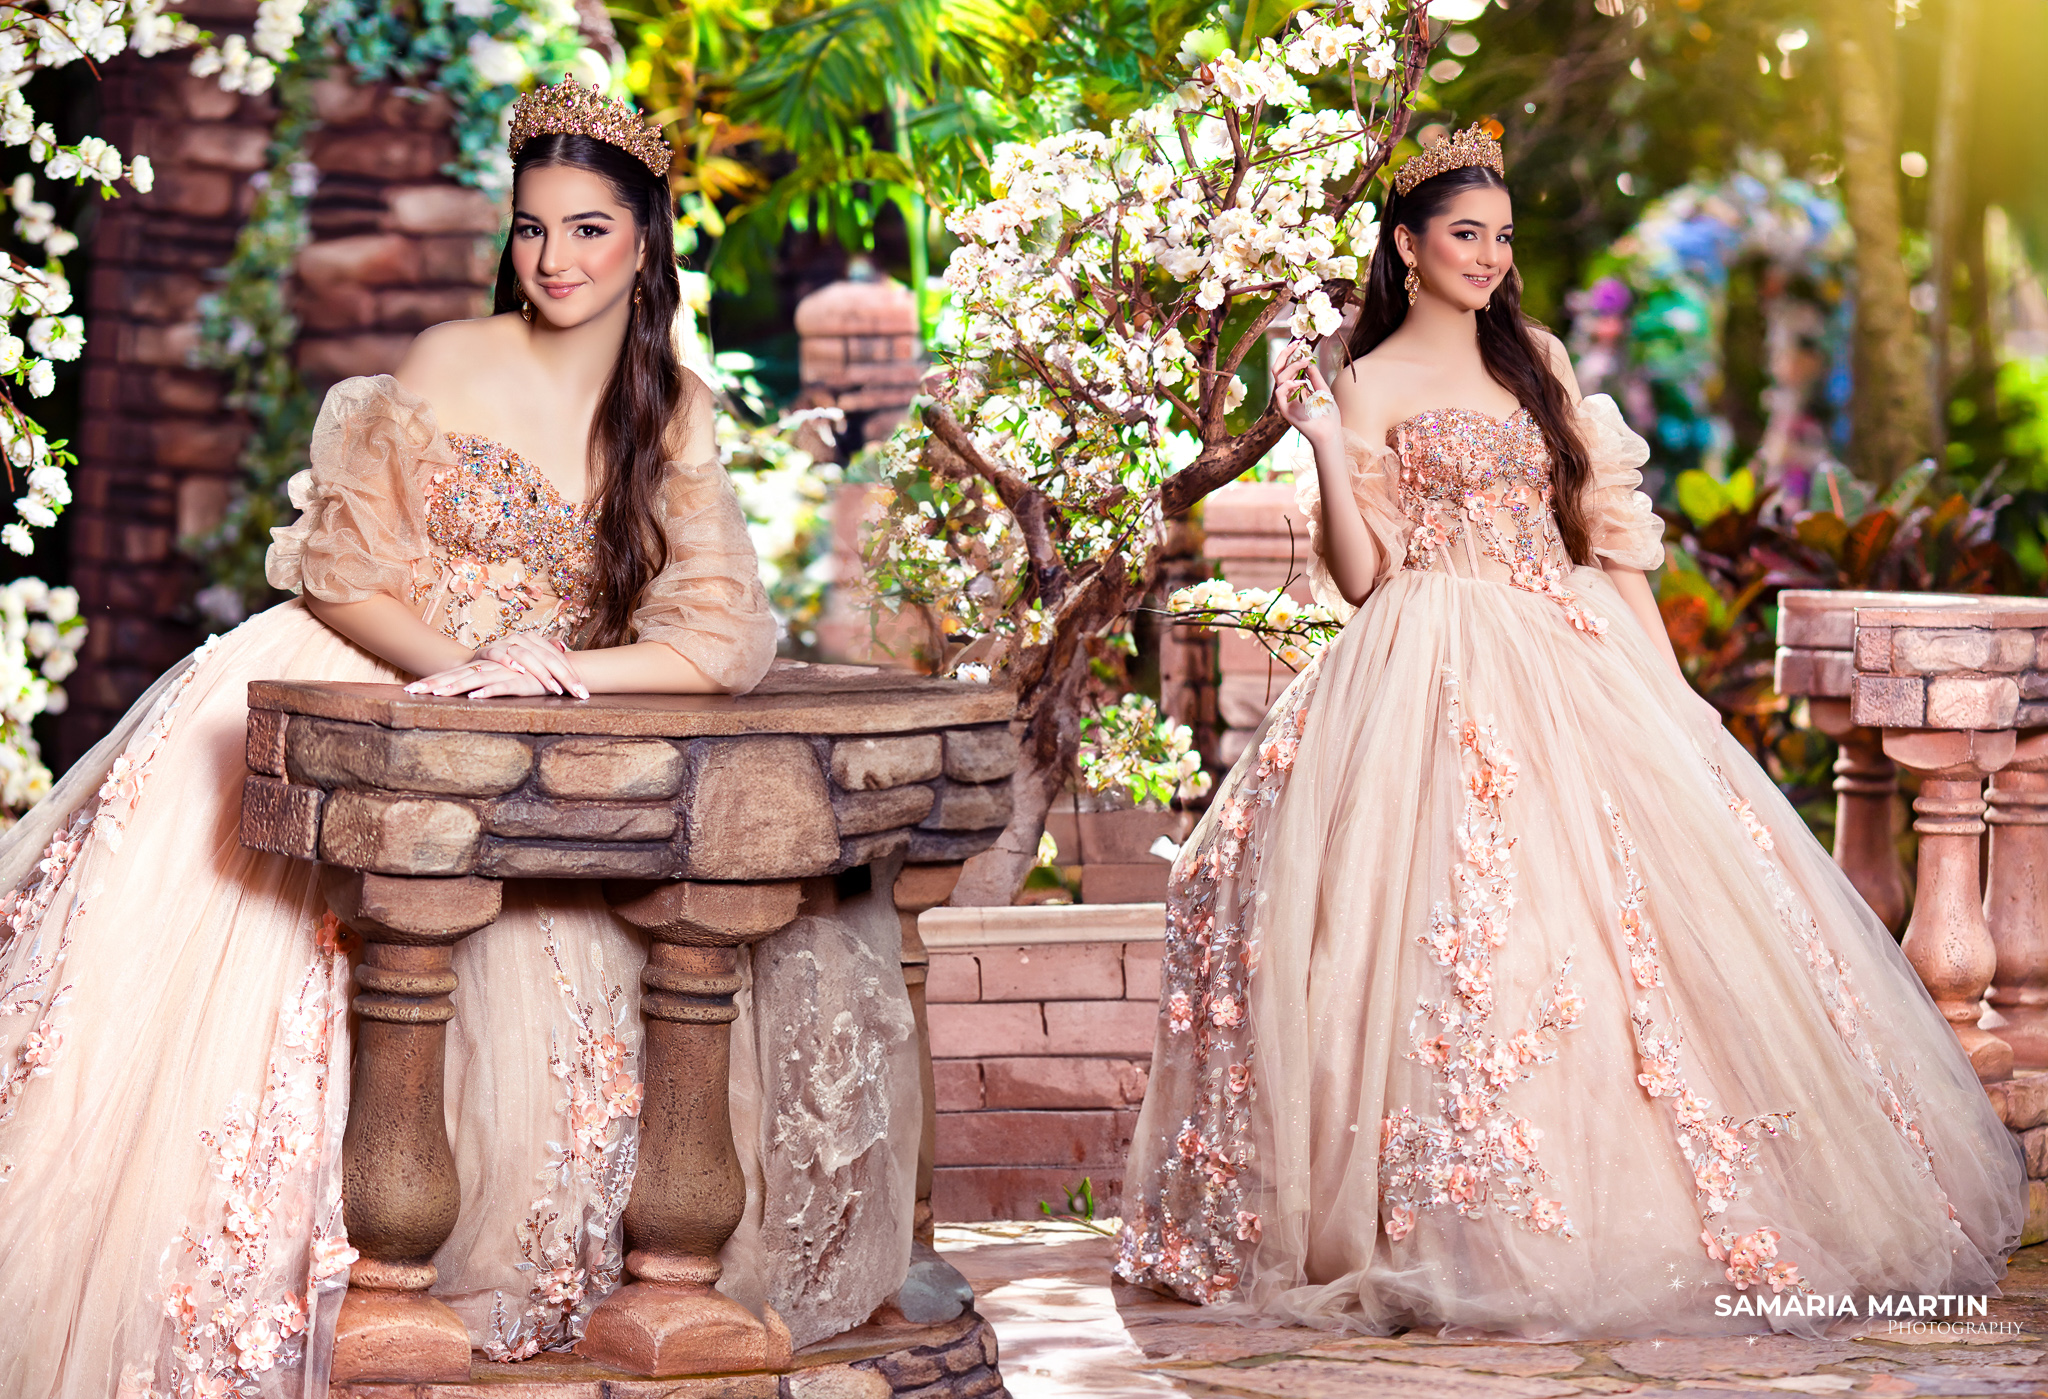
(1504, 993)
(532, 504)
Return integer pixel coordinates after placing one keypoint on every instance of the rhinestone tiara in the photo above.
(569, 109)
(1475, 145)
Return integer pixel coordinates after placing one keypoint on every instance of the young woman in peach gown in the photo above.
(1504, 993)
(532, 504)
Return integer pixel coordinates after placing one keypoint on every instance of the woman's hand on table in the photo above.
(519, 664)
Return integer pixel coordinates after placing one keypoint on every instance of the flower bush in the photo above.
(1112, 298)
(40, 633)
(36, 332)
(1650, 327)
(1130, 746)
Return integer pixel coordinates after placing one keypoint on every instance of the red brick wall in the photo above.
(1040, 1055)
(396, 246)
(156, 448)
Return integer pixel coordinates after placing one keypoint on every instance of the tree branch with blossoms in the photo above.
(1110, 295)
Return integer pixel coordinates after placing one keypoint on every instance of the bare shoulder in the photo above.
(1370, 389)
(445, 360)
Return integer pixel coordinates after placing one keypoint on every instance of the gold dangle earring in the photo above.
(1413, 282)
(526, 307)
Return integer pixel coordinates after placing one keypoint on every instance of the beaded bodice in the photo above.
(510, 553)
(1477, 494)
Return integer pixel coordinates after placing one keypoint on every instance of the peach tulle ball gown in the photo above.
(1504, 993)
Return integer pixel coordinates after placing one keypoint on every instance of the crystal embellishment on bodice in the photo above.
(1477, 494)
(510, 554)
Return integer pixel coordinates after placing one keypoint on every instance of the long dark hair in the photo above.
(629, 436)
(1506, 345)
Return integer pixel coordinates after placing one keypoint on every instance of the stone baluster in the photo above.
(2016, 902)
(1866, 785)
(1948, 940)
(1817, 662)
(1946, 682)
(399, 1190)
(688, 1191)
(918, 888)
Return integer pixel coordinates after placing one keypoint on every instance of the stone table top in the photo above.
(818, 770)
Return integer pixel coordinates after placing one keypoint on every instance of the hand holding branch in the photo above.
(1305, 398)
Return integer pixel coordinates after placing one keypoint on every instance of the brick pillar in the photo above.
(396, 245)
(859, 352)
(156, 449)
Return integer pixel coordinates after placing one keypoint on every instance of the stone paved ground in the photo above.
(1066, 1330)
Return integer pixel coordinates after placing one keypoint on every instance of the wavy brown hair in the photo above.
(1507, 344)
(629, 436)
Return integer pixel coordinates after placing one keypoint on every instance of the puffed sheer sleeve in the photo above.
(362, 514)
(1375, 486)
(1623, 526)
(707, 602)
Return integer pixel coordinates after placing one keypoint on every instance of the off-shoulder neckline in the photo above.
(547, 482)
(419, 404)
(1519, 411)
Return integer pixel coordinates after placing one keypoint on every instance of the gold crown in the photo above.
(1475, 145)
(568, 109)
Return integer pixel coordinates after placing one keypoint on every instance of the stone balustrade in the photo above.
(1958, 691)
(1955, 690)
(1817, 663)
(715, 822)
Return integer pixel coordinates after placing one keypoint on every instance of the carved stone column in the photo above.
(1866, 783)
(400, 1195)
(688, 1192)
(1948, 941)
(2016, 902)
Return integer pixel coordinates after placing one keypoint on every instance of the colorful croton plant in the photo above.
(1115, 300)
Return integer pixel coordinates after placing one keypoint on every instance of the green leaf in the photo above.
(1741, 489)
(1702, 498)
(1900, 495)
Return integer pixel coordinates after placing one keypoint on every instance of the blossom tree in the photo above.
(35, 329)
(1110, 294)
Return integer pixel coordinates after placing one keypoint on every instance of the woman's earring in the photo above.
(526, 308)
(636, 293)
(1413, 283)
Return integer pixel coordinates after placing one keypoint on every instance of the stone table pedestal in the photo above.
(714, 821)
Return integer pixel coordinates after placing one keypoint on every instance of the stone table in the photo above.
(713, 820)
(1960, 691)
